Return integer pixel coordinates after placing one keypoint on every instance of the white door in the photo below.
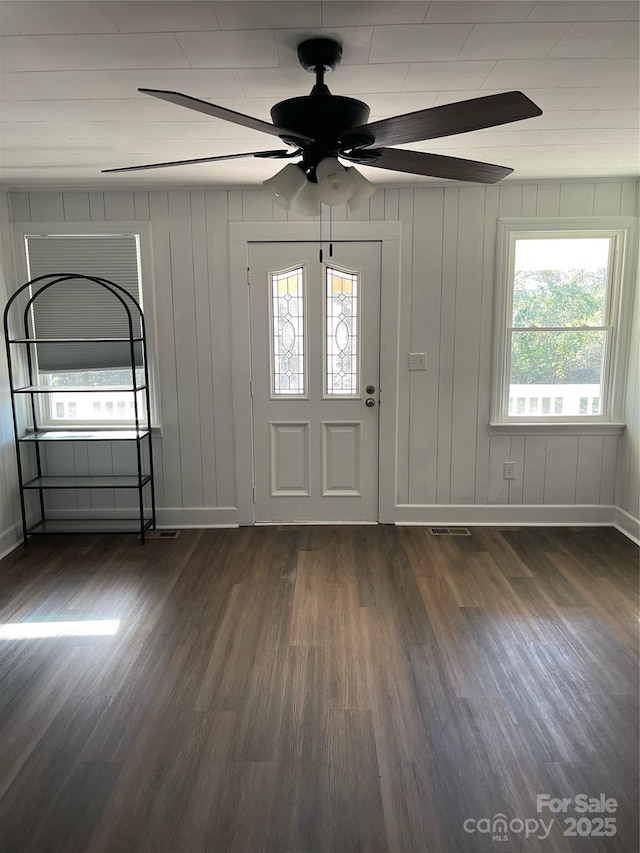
(315, 337)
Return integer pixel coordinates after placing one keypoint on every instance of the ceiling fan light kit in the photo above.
(290, 187)
(320, 128)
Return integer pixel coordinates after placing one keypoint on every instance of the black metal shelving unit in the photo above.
(30, 436)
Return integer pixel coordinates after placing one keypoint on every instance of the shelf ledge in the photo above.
(75, 340)
(89, 525)
(84, 435)
(79, 389)
(114, 481)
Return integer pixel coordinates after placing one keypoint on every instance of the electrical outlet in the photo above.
(417, 361)
(509, 470)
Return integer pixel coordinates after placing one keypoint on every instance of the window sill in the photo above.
(560, 428)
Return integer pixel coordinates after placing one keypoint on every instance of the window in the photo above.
(559, 340)
(81, 309)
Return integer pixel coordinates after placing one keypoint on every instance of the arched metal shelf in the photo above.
(30, 436)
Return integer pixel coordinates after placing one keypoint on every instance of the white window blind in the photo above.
(84, 309)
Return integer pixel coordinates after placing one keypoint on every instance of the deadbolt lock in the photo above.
(370, 389)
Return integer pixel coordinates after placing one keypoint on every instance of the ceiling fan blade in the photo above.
(223, 113)
(449, 119)
(433, 165)
(282, 153)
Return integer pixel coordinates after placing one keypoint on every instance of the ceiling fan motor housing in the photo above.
(322, 117)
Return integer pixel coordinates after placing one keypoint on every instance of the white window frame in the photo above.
(622, 273)
(141, 229)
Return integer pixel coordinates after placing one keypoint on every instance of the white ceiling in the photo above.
(69, 104)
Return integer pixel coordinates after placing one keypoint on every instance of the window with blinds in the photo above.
(82, 309)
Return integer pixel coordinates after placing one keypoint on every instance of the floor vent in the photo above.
(449, 531)
(164, 534)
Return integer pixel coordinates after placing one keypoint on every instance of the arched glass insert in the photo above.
(287, 305)
(342, 340)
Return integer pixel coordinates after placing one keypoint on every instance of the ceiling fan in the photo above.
(323, 127)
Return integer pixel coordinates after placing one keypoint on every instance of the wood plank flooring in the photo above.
(319, 689)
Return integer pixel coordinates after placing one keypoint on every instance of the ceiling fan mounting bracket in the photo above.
(319, 54)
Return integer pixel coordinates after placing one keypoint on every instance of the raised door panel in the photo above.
(290, 459)
(342, 459)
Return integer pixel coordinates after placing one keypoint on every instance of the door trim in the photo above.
(241, 235)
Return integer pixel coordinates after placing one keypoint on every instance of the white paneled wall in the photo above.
(446, 454)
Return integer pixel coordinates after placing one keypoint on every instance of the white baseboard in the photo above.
(216, 516)
(10, 539)
(315, 523)
(525, 515)
(480, 515)
(627, 524)
(499, 515)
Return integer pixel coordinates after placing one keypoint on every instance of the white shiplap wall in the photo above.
(446, 454)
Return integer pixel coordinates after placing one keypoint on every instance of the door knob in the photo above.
(370, 402)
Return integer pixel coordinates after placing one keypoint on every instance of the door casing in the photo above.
(241, 235)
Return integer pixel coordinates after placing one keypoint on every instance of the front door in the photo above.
(315, 337)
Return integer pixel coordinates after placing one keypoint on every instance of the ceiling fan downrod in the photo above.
(320, 56)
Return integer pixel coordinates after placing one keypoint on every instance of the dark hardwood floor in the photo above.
(320, 689)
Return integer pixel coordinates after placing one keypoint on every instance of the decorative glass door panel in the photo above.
(342, 333)
(314, 349)
(287, 326)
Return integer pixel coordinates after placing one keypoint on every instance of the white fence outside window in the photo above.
(93, 407)
(554, 400)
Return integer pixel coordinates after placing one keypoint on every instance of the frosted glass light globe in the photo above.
(285, 185)
(335, 183)
(363, 189)
(307, 201)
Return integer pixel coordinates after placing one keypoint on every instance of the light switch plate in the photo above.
(417, 361)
